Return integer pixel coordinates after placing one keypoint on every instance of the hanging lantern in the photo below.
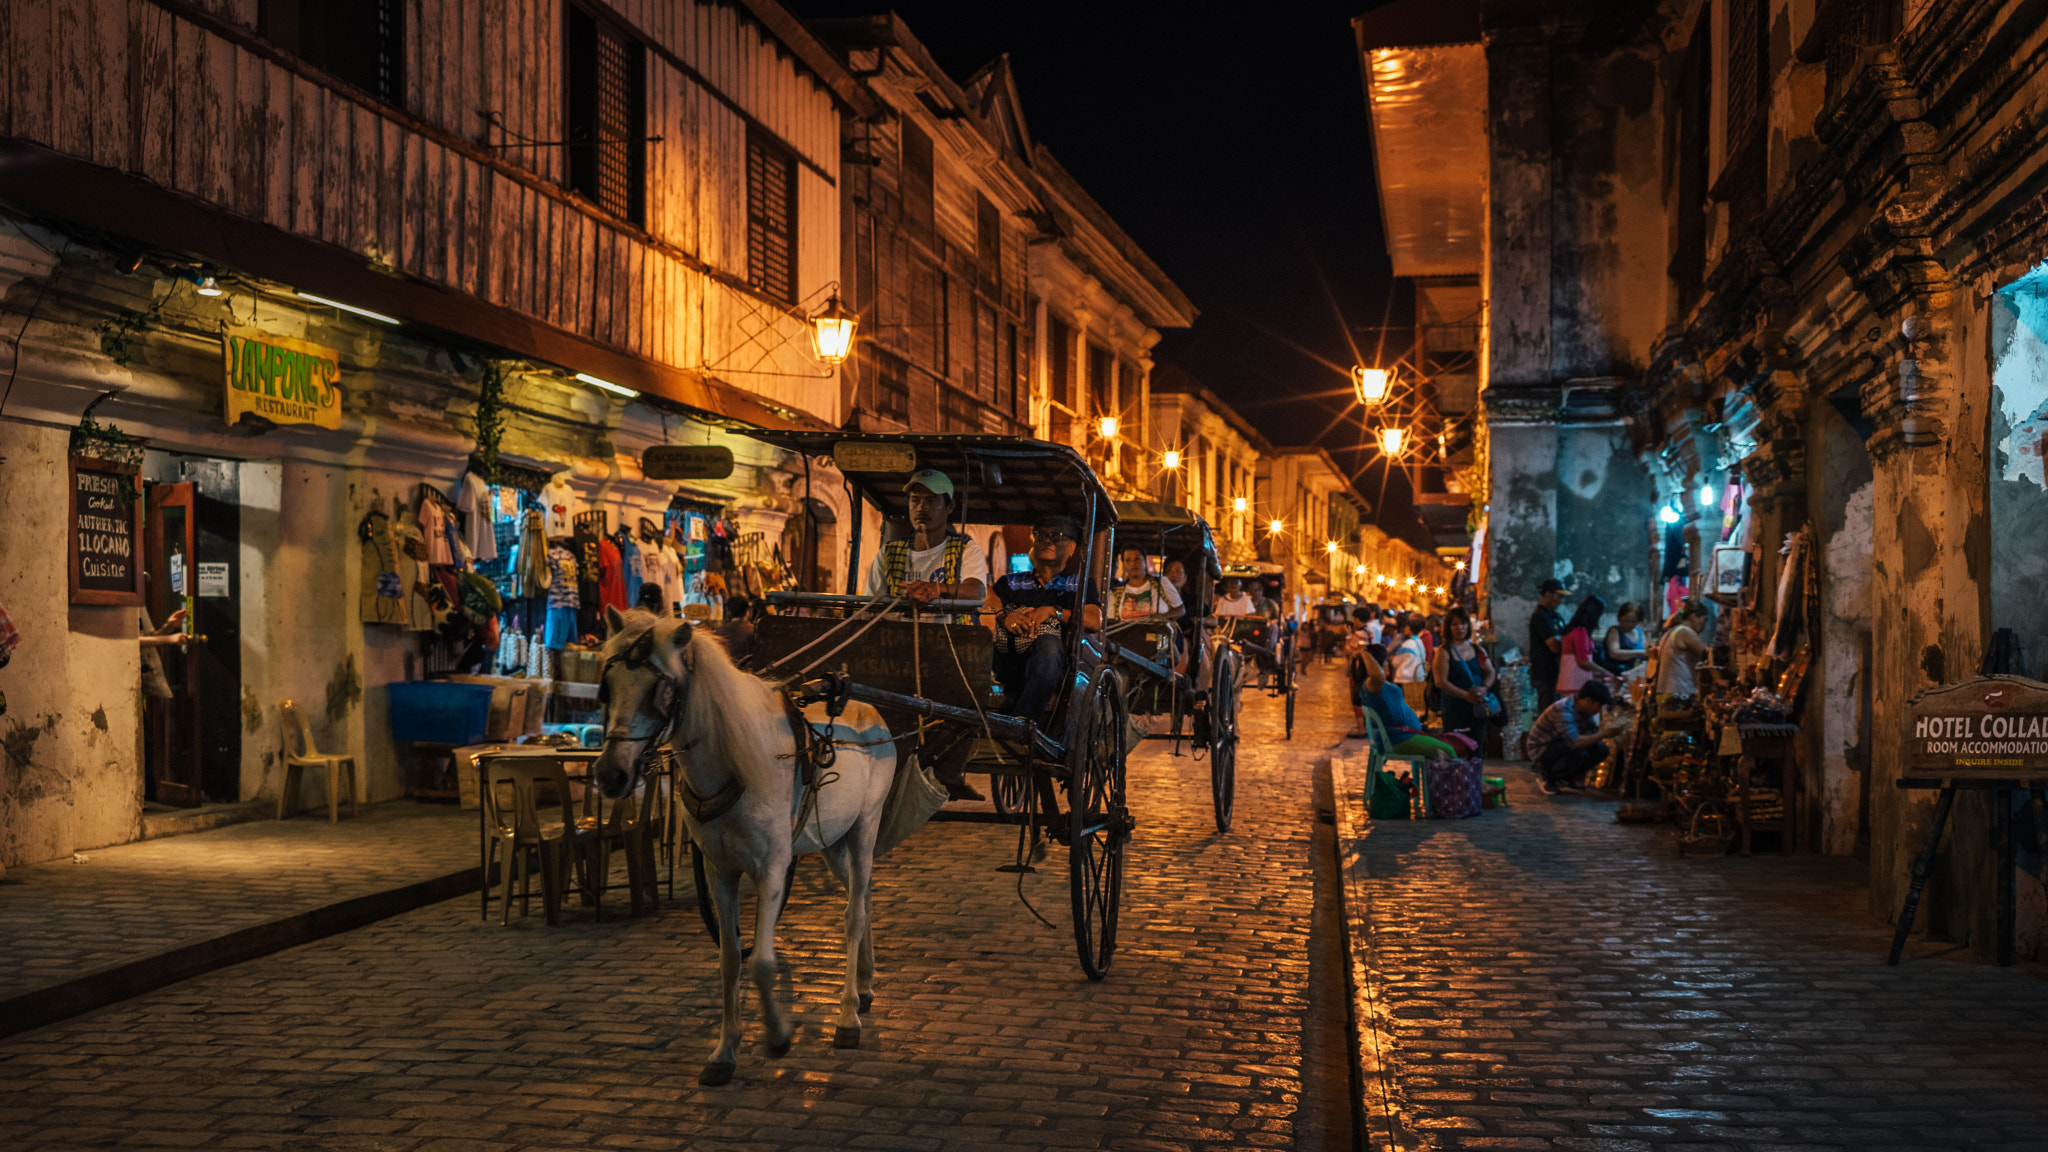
(1107, 427)
(1171, 459)
(1370, 384)
(1277, 527)
(832, 332)
(1391, 440)
(1237, 505)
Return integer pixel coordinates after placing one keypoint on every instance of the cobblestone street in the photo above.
(1545, 978)
(432, 1030)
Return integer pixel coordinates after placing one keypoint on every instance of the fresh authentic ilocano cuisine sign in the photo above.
(1993, 726)
(284, 381)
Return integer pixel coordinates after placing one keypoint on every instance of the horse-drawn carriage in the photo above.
(1180, 669)
(1265, 643)
(930, 669)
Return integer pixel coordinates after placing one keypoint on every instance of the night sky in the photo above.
(1231, 142)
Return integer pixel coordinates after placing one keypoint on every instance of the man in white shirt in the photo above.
(1233, 601)
(935, 563)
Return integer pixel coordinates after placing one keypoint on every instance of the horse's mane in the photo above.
(730, 714)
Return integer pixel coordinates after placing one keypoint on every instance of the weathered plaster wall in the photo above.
(1521, 531)
(69, 740)
(1841, 511)
(1603, 496)
(2019, 493)
(1607, 216)
(1518, 214)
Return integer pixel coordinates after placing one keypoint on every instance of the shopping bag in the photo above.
(1455, 791)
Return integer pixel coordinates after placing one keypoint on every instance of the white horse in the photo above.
(664, 680)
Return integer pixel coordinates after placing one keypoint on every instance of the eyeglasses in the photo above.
(1049, 535)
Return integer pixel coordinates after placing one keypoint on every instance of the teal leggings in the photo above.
(1422, 747)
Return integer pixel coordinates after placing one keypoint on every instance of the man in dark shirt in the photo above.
(1546, 640)
(738, 630)
(1032, 611)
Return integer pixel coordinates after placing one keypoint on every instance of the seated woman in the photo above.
(1381, 694)
(1144, 597)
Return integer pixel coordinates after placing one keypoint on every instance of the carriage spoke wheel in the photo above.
(1101, 827)
(1007, 792)
(1287, 685)
(1223, 736)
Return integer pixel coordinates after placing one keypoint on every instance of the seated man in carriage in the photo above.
(1031, 611)
(1145, 597)
(935, 563)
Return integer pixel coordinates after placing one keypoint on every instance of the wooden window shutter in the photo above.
(988, 246)
(771, 219)
(916, 180)
(607, 117)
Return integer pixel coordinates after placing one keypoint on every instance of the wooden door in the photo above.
(172, 724)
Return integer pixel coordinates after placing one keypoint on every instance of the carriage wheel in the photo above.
(1287, 685)
(1223, 736)
(1102, 826)
(1008, 793)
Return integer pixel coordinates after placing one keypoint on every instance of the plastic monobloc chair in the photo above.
(300, 754)
(519, 825)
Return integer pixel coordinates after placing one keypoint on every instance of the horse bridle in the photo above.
(666, 698)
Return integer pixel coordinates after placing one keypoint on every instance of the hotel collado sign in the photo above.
(282, 380)
(1992, 727)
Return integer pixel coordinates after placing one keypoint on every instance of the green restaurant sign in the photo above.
(282, 380)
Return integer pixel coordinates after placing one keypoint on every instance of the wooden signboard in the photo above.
(106, 533)
(1989, 728)
(686, 462)
(859, 456)
(282, 380)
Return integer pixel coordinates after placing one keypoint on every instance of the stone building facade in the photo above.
(1802, 243)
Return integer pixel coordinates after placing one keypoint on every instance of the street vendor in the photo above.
(1031, 611)
(935, 563)
(1568, 740)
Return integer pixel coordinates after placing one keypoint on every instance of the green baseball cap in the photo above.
(931, 480)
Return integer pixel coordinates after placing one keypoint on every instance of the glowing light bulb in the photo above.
(1171, 459)
(1277, 527)
(1391, 439)
(1330, 546)
(1706, 495)
(1237, 505)
(1108, 427)
(1667, 515)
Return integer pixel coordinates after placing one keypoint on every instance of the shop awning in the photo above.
(1425, 81)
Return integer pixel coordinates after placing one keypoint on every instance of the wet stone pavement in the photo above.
(436, 1031)
(1548, 979)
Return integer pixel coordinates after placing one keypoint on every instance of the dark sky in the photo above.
(1231, 142)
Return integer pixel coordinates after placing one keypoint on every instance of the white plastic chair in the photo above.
(299, 755)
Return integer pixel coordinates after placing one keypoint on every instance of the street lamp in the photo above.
(832, 332)
(1390, 440)
(1237, 505)
(1461, 565)
(1358, 570)
(1171, 459)
(1706, 495)
(1330, 546)
(1370, 384)
(1107, 427)
(1276, 527)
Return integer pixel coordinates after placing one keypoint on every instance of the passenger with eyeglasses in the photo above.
(1032, 610)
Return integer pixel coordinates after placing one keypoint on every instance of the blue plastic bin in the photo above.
(438, 712)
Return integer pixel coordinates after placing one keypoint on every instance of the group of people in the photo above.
(1394, 658)
(1574, 677)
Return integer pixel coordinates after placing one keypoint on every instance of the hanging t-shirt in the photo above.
(631, 568)
(1155, 598)
(434, 527)
(558, 504)
(611, 576)
(478, 531)
(562, 582)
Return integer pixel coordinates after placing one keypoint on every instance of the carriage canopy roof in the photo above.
(996, 479)
(1177, 530)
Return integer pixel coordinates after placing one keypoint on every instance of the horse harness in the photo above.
(814, 753)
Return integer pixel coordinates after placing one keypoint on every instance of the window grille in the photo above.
(606, 146)
(771, 219)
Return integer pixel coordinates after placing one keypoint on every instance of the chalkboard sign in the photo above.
(1989, 728)
(106, 533)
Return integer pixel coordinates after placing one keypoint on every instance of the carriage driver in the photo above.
(935, 563)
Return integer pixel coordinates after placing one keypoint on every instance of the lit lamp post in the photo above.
(1171, 459)
(832, 332)
(1107, 427)
(1391, 440)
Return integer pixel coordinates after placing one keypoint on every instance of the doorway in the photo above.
(192, 742)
